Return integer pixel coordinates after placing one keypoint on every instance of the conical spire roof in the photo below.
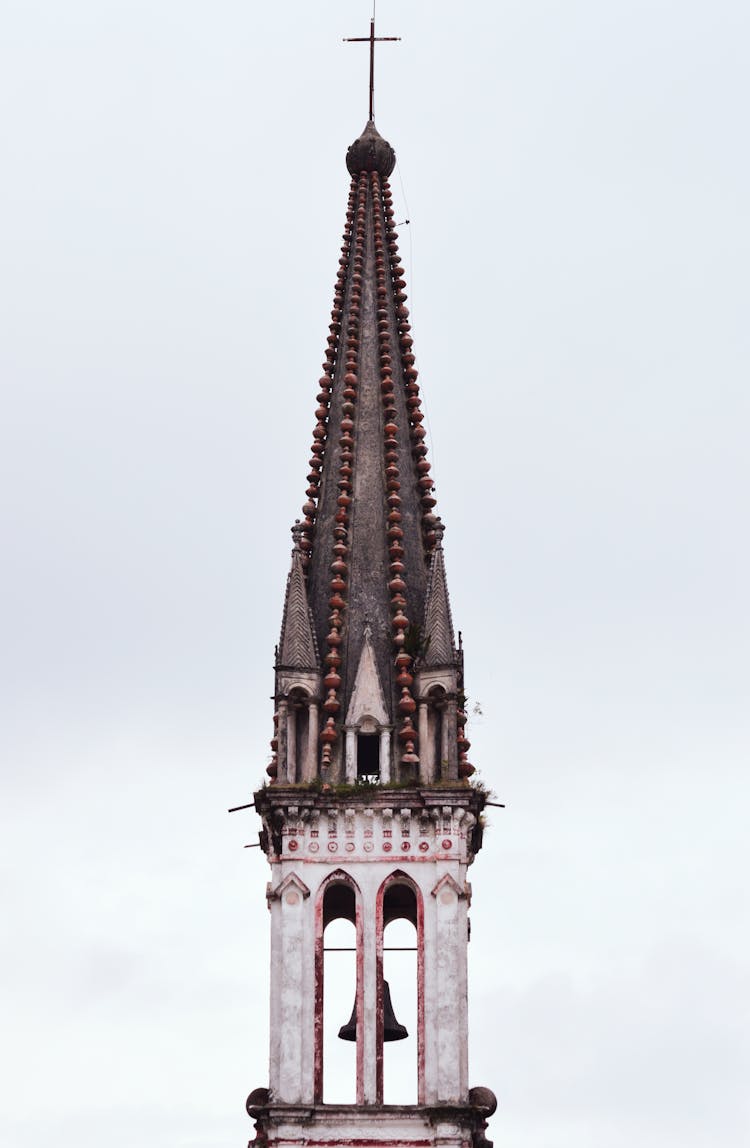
(369, 528)
(438, 623)
(298, 648)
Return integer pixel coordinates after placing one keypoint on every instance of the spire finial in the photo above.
(372, 39)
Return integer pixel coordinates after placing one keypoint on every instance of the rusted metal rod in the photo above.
(387, 949)
(372, 40)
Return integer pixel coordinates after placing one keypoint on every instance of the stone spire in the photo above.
(368, 545)
(438, 624)
(298, 648)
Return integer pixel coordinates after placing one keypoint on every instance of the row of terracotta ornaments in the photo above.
(431, 526)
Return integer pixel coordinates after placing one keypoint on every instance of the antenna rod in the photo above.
(372, 69)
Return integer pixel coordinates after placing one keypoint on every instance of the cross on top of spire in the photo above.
(372, 39)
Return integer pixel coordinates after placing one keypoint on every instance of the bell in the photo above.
(392, 1030)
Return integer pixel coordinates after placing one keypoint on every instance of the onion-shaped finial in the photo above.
(371, 153)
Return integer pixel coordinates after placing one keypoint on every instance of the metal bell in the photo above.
(392, 1030)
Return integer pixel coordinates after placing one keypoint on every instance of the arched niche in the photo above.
(301, 733)
(437, 699)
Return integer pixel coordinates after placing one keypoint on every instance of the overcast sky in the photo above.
(577, 180)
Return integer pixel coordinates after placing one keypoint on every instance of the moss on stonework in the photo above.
(351, 789)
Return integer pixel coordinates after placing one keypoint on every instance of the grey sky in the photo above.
(173, 196)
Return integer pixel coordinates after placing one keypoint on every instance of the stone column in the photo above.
(451, 1002)
(385, 754)
(291, 988)
(426, 751)
(368, 1086)
(291, 742)
(450, 749)
(430, 994)
(282, 737)
(311, 758)
(351, 756)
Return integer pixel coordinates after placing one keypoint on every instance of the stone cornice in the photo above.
(353, 1115)
(373, 797)
(304, 824)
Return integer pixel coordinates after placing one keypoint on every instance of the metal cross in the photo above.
(371, 40)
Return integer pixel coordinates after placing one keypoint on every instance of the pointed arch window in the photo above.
(298, 719)
(400, 968)
(338, 982)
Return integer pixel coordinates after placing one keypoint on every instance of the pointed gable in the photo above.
(297, 648)
(291, 881)
(438, 624)
(448, 881)
(367, 697)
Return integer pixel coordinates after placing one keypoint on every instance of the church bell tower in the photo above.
(369, 813)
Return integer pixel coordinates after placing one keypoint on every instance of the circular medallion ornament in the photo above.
(293, 846)
(368, 846)
(349, 846)
(447, 843)
(423, 846)
(405, 846)
(314, 847)
(387, 846)
(332, 847)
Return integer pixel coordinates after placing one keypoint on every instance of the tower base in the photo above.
(381, 1126)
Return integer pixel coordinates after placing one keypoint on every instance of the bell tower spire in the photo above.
(369, 816)
(368, 552)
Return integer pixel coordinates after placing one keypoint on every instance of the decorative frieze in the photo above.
(358, 825)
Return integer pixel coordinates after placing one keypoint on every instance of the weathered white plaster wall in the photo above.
(433, 849)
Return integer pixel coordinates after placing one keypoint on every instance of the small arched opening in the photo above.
(368, 750)
(435, 749)
(298, 738)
